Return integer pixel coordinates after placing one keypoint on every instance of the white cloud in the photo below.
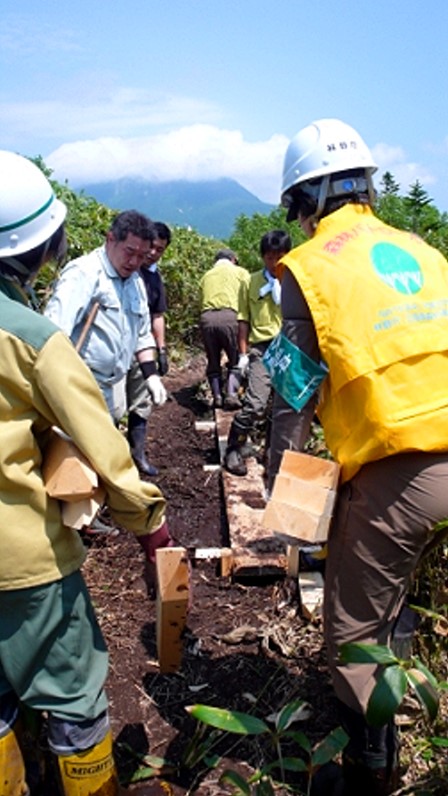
(393, 159)
(195, 152)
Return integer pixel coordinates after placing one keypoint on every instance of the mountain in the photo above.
(209, 207)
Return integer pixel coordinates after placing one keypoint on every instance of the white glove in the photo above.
(156, 389)
(243, 363)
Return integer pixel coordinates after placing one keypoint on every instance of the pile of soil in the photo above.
(245, 647)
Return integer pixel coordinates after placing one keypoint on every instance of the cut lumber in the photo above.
(255, 551)
(67, 473)
(311, 589)
(80, 513)
(302, 500)
(172, 605)
(205, 425)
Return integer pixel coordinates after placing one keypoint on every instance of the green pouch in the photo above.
(294, 375)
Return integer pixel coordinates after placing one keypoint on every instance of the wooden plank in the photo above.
(172, 606)
(205, 425)
(302, 499)
(66, 472)
(255, 550)
(311, 588)
(78, 514)
(310, 468)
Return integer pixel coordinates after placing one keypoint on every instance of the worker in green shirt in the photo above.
(259, 321)
(219, 292)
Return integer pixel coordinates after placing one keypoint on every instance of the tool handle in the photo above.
(89, 320)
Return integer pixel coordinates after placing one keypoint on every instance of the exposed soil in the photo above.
(273, 658)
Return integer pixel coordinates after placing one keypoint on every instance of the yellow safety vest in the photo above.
(379, 301)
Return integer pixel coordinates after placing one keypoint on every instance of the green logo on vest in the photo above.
(397, 268)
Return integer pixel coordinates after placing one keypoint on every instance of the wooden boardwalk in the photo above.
(255, 550)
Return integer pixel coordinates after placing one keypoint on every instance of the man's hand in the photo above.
(243, 364)
(156, 389)
(163, 361)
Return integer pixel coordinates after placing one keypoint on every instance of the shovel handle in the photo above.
(89, 320)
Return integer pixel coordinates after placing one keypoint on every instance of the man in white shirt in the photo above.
(121, 328)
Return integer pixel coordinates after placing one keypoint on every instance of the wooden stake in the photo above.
(172, 605)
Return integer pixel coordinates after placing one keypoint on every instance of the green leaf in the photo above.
(366, 653)
(228, 720)
(387, 696)
(424, 690)
(436, 741)
(147, 772)
(264, 788)
(301, 739)
(298, 710)
(424, 670)
(326, 750)
(237, 781)
(292, 764)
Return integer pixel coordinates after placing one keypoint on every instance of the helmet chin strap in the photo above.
(19, 272)
(322, 198)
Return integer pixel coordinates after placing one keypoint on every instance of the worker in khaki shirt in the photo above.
(219, 295)
(259, 320)
(370, 301)
(53, 657)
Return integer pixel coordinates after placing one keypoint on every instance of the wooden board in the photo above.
(303, 498)
(67, 473)
(255, 550)
(78, 514)
(172, 606)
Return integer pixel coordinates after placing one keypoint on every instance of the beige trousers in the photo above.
(383, 524)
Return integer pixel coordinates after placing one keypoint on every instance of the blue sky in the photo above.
(197, 89)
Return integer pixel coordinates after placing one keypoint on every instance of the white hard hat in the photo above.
(325, 147)
(29, 211)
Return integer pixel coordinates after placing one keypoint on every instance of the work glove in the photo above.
(157, 390)
(163, 361)
(243, 364)
(150, 542)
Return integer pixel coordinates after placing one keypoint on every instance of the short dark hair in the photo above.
(162, 231)
(226, 254)
(131, 222)
(302, 202)
(277, 240)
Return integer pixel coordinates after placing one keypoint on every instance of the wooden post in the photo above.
(172, 605)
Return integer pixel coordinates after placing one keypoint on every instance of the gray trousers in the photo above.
(382, 527)
(138, 398)
(258, 391)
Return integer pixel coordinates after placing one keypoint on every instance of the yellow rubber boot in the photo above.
(12, 768)
(90, 772)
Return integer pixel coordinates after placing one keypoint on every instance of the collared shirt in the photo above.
(155, 289)
(261, 312)
(122, 324)
(220, 286)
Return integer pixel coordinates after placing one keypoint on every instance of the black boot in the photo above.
(370, 759)
(137, 440)
(233, 459)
